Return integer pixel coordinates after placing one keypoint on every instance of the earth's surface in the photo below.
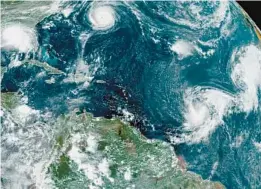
(129, 94)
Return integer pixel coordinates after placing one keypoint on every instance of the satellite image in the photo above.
(130, 95)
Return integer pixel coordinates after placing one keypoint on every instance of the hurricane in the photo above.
(130, 94)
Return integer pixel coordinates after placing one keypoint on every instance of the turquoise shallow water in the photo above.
(184, 72)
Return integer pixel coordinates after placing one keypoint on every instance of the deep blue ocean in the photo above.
(186, 71)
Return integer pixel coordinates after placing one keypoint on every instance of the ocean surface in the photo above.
(188, 73)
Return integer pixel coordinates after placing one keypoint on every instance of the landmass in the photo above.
(94, 152)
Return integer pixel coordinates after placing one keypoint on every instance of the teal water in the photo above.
(173, 65)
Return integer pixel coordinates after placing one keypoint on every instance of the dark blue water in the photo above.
(140, 73)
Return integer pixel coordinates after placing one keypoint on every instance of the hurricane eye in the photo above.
(102, 17)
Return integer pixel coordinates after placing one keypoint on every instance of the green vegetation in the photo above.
(9, 100)
(108, 153)
(112, 154)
